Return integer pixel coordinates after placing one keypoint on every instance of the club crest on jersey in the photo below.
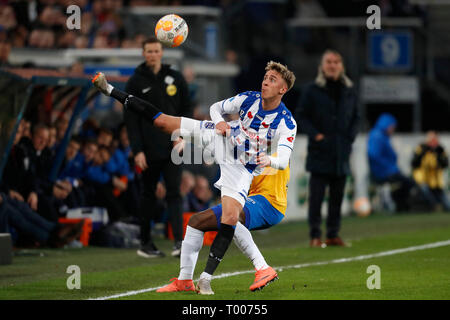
(209, 125)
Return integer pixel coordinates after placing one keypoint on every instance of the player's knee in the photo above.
(195, 221)
(231, 220)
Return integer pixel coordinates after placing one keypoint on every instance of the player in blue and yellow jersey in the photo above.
(265, 207)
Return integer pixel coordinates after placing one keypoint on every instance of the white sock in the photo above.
(109, 88)
(190, 248)
(244, 241)
(206, 276)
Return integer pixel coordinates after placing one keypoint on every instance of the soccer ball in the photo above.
(362, 207)
(171, 30)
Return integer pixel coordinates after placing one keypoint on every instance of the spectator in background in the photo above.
(7, 17)
(383, 161)
(27, 223)
(89, 129)
(5, 49)
(81, 42)
(328, 114)
(199, 199)
(41, 38)
(186, 186)
(66, 39)
(17, 180)
(61, 127)
(38, 158)
(26, 129)
(77, 69)
(26, 173)
(51, 145)
(18, 215)
(428, 164)
(117, 165)
(19, 37)
(132, 194)
(72, 171)
(103, 182)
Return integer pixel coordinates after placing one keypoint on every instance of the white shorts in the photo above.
(234, 179)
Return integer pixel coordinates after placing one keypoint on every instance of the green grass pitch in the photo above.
(416, 274)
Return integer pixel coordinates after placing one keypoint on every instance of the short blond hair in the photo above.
(283, 70)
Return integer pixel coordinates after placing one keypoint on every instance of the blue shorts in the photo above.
(259, 213)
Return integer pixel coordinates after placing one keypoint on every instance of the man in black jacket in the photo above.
(328, 114)
(160, 85)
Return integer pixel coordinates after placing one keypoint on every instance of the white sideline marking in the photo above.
(303, 265)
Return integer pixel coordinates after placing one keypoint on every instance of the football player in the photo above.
(240, 147)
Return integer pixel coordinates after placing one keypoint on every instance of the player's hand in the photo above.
(263, 160)
(223, 128)
(33, 201)
(141, 161)
(178, 145)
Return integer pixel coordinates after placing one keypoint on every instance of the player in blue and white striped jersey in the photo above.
(242, 148)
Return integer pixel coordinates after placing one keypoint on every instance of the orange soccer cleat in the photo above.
(178, 285)
(263, 277)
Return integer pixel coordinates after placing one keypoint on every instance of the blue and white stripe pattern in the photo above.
(258, 128)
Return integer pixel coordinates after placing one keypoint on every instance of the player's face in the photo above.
(153, 53)
(332, 66)
(272, 85)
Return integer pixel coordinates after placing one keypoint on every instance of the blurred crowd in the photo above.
(98, 170)
(42, 23)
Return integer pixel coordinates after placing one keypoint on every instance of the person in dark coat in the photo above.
(166, 88)
(328, 114)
